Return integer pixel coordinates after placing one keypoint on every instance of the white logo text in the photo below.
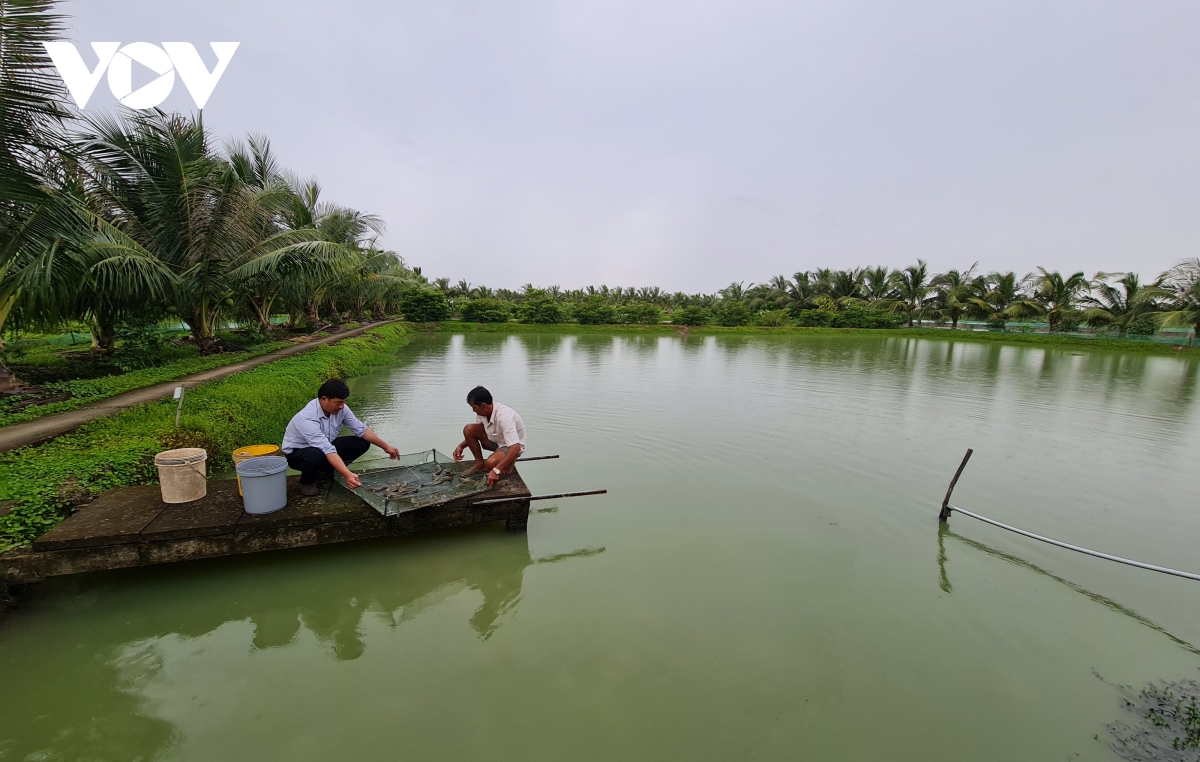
(164, 61)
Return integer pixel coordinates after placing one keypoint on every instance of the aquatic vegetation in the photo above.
(1166, 725)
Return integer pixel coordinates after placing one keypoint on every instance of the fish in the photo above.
(441, 475)
(397, 490)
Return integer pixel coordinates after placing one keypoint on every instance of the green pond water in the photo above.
(765, 579)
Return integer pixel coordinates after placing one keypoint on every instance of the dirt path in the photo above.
(39, 430)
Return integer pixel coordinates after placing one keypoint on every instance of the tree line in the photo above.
(870, 297)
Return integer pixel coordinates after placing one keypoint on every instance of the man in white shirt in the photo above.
(311, 443)
(497, 428)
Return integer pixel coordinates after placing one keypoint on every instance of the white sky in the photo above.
(690, 144)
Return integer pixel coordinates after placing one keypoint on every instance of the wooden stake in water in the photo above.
(179, 408)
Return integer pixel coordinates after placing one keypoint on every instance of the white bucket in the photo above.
(181, 475)
(264, 483)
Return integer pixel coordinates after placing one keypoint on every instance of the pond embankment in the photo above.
(40, 486)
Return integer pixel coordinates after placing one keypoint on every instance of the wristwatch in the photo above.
(496, 471)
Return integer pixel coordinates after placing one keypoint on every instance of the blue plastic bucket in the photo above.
(264, 483)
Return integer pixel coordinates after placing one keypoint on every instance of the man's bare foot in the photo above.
(477, 468)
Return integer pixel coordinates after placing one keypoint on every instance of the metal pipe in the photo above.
(496, 500)
(947, 509)
(945, 514)
(537, 457)
(1078, 549)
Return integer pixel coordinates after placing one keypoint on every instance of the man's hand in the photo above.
(352, 480)
(458, 454)
(392, 452)
(492, 477)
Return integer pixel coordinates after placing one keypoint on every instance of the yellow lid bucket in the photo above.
(252, 451)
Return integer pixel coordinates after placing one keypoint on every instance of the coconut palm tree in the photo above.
(956, 291)
(877, 284)
(822, 280)
(1001, 291)
(372, 277)
(735, 292)
(802, 291)
(341, 231)
(174, 200)
(1055, 295)
(262, 282)
(1116, 304)
(33, 108)
(845, 286)
(1179, 287)
(913, 289)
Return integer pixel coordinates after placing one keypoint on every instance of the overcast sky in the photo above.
(690, 144)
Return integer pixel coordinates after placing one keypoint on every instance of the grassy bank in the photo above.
(41, 485)
(939, 334)
(86, 390)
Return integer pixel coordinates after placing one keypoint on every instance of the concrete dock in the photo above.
(132, 527)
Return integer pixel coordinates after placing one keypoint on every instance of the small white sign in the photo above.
(178, 392)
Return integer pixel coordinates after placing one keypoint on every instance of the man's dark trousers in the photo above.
(311, 462)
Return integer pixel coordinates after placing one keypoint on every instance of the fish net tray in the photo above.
(417, 480)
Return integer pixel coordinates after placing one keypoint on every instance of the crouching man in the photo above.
(312, 445)
(497, 428)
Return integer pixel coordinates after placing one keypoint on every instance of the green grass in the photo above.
(43, 484)
(1065, 342)
(86, 390)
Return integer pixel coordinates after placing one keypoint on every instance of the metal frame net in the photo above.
(416, 480)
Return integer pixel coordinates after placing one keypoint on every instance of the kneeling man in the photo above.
(312, 445)
(497, 428)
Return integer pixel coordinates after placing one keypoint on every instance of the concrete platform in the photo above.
(134, 527)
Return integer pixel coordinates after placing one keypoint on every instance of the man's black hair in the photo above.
(334, 389)
(479, 396)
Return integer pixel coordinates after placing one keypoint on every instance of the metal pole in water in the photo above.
(539, 497)
(945, 514)
(947, 509)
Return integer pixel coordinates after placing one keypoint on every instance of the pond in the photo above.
(766, 577)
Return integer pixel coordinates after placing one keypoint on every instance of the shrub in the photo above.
(425, 305)
(639, 312)
(143, 344)
(486, 311)
(772, 318)
(595, 311)
(851, 317)
(731, 314)
(815, 318)
(863, 317)
(1142, 325)
(997, 322)
(691, 316)
(1070, 321)
(540, 308)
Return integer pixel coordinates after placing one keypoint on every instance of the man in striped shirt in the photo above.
(497, 428)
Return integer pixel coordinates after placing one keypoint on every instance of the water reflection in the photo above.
(944, 531)
(327, 592)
